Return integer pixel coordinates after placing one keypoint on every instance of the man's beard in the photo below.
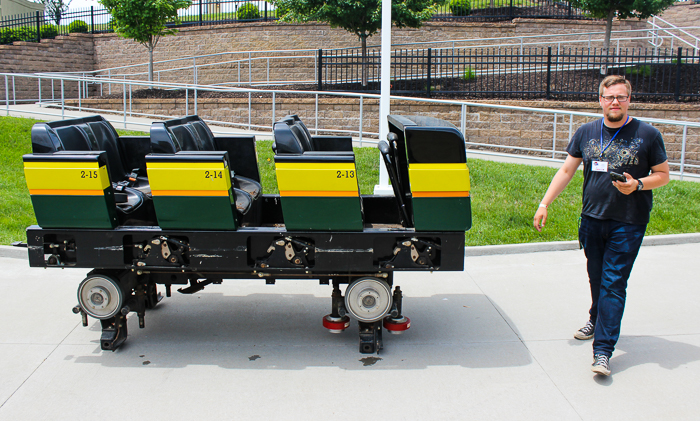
(615, 116)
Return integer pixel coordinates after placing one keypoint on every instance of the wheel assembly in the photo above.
(368, 299)
(100, 296)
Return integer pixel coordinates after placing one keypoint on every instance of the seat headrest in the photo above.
(286, 142)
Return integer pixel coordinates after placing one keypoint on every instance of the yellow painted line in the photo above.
(318, 193)
(57, 176)
(440, 194)
(189, 192)
(424, 179)
(64, 192)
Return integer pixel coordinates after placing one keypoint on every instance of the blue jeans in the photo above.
(611, 248)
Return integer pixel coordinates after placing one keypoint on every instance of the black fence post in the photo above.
(319, 70)
(92, 19)
(200, 12)
(510, 10)
(430, 51)
(678, 74)
(38, 27)
(549, 70)
(265, 11)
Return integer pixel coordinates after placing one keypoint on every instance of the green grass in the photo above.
(504, 196)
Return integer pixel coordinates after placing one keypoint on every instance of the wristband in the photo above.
(542, 205)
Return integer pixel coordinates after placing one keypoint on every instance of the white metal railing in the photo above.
(558, 117)
(657, 40)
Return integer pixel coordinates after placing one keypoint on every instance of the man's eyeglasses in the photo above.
(619, 98)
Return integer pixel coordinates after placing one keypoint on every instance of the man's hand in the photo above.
(540, 218)
(626, 187)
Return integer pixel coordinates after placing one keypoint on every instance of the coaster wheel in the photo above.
(336, 324)
(397, 326)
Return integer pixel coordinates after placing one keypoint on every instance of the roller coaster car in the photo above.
(184, 207)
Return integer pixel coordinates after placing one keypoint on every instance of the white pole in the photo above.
(383, 188)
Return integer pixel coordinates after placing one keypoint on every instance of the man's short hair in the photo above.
(614, 80)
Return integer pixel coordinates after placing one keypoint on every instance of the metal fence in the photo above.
(35, 26)
(501, 10)
(519, 73)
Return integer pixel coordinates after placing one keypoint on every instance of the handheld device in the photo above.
(617, 177)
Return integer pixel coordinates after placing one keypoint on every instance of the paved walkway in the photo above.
(492, 342)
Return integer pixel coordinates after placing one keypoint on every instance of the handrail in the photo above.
(672, 27)
(556, 114)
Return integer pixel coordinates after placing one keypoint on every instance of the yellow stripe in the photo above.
(57, 165)
(58, 176)
(187, 165)
(316, 165)
(189, 192)
(439, 177)
(314, 193)
(181, 178)
(318, 178)
(444, 166)
(440, 194)
(59, 192)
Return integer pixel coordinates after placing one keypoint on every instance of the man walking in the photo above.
(615, 213)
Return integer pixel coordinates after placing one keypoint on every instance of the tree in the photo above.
(623, 9)
(55, 9)
(361, 17)
(144, 21)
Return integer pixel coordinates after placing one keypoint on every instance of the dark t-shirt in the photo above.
(635, 149)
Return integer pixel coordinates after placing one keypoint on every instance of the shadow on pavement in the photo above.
(283, 331)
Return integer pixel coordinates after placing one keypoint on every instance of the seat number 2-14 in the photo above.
(212, 174)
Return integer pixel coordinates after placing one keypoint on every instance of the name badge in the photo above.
(600, 166)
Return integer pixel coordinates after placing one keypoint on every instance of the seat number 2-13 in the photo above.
(345, 174)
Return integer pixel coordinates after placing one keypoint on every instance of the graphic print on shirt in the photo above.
(618, 154)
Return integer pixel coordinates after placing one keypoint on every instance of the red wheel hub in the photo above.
(396, 326)
(336, 324)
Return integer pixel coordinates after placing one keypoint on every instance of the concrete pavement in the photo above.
(492, 342)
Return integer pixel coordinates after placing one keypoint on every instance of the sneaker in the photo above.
(585, 332)
(601, 364)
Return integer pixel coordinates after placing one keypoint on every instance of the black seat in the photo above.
(192, 134)
(293, 137)
(94, 133)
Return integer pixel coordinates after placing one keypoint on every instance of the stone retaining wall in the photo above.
(65, 53)
(483, 125)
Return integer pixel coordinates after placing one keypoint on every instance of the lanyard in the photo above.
(602, 149)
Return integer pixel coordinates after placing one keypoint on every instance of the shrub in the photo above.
(469, 74)
(248, 11)
(10, 35)
(638, 70)
(78, 26)
(460, 7)
(48, 31)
